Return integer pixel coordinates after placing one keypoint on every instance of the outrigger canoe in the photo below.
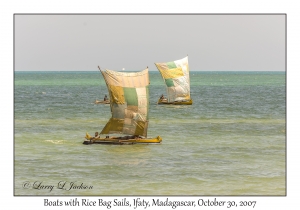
(102, 102)
(129, 104)
(120, 140)
(165, 101)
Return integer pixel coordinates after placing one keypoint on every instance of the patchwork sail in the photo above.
(129, 104)
(129, 96)
(177, 81)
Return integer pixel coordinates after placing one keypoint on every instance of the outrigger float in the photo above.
(129, 104)
(176, 76)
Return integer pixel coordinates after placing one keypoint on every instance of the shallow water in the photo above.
(231, 141)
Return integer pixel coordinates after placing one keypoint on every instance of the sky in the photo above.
(213, 42)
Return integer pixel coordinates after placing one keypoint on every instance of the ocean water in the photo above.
(231, 141)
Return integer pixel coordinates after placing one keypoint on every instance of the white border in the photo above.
(8, 8)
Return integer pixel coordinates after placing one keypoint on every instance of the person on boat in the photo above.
(97, 135)
(105, 98)
(162, 97)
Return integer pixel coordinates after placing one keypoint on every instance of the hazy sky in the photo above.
(212, 42)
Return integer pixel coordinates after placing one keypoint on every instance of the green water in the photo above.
(231, 141)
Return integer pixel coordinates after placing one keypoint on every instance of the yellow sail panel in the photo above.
(117, 94)
(127, 126)
(114, 125)
(141, 128)
(172, 73)
(129, 93)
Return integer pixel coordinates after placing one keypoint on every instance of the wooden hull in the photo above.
(90, 140)
(164, 101)
(101, 102)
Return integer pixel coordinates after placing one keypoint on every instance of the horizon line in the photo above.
(149, 70)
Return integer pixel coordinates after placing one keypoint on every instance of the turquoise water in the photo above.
(231, 141)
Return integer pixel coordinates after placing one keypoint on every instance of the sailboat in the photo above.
(104, 101)
(129, 104)
(177, 79)
(101, 102)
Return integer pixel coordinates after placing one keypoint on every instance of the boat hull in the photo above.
(162, 101)
(90, 140)
(101, 102)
